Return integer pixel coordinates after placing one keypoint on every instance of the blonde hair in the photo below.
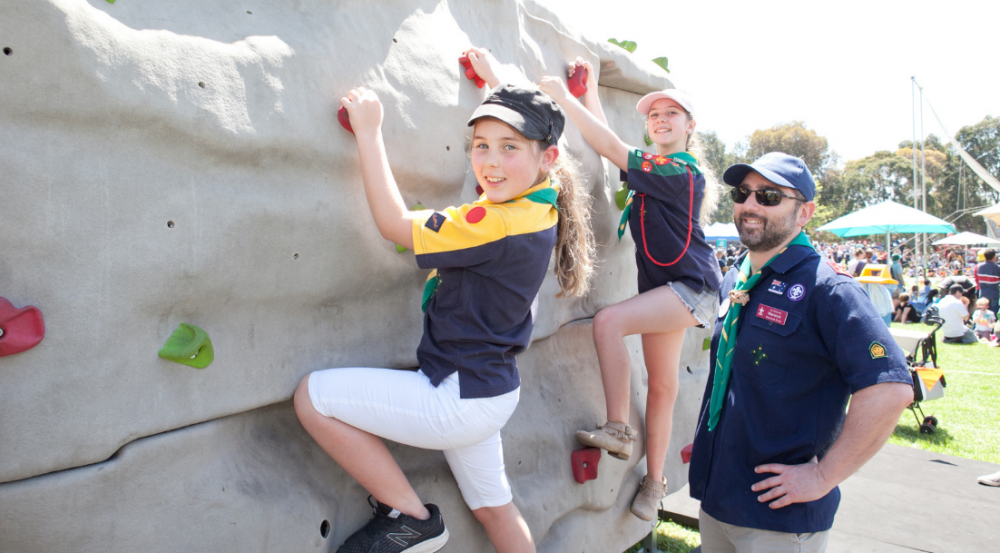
(575, 243)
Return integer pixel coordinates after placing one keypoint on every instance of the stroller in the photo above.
(928, 378)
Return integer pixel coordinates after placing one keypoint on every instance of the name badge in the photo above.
(772, 314)
(777, 287)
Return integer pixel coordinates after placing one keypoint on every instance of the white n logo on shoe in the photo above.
(399, 538)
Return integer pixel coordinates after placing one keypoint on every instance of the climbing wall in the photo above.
(184, 235)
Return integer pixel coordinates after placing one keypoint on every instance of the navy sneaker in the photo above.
(393, 532)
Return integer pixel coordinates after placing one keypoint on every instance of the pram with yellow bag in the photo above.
(928, 377)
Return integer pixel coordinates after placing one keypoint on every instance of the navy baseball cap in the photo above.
(779, 168)
(528, 110)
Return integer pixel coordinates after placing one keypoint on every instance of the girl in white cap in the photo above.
(678, 275)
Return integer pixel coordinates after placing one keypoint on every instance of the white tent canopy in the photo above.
(966, 239)
(991, 213)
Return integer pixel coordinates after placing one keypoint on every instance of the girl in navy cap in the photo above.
(491, 257)
(678, 275)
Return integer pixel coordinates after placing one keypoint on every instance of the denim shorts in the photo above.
(704, 305)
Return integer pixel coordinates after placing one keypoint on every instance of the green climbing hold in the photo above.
(621, 196)
(706, 344)
(416, 207)
(189, 345)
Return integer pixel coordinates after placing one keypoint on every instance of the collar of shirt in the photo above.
(786, 261)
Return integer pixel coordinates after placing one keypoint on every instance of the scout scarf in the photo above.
(683, 159)
(547, 195)
(738, 298)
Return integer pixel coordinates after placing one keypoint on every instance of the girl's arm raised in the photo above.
(484, 64)
(591, 123)
(391, 216)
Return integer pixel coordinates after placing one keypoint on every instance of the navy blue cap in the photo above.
(779, 168)
(528, 110)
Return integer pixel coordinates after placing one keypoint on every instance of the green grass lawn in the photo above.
(672, 538)
(969, 414)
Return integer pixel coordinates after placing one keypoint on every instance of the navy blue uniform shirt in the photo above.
(808, 338)
(663, 190)
(491, 260)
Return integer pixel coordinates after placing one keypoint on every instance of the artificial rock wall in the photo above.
(168, 162)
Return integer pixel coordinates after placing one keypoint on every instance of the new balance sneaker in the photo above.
(393, 532)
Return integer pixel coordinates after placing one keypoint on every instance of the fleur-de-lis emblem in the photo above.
(758, 354)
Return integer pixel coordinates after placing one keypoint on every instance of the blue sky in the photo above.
(843, 68)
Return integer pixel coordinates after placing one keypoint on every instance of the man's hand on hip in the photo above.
(793, 484)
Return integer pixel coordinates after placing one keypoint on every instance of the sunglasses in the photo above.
(766, 197)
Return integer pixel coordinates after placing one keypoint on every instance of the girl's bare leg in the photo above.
(506, 528)
(657, 311)
(662, 355)
(363, 455)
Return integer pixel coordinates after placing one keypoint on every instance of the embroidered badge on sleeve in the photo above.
(877, 351)
(435, 221)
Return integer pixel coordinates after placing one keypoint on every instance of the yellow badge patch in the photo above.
(877, 351)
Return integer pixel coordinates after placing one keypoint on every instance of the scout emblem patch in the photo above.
(877, 351)
(435, 221)
(796, 292)
(777, 287)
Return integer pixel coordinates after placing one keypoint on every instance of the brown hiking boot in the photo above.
(646, 504)
(615, 437)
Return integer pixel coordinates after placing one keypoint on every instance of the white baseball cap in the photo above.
(671, 93)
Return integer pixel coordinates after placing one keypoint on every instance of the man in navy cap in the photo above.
(795, 338)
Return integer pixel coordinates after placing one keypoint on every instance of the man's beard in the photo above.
(775, 232)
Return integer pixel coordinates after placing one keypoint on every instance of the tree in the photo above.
(713, 156)
(796, 140)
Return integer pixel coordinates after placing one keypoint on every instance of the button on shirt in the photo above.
(491, 260)
(808, 338)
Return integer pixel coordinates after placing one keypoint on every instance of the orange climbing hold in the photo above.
(585, 463)
(20, 329)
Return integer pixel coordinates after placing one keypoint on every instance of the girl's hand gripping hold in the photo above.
(364, 109)
(483, 63)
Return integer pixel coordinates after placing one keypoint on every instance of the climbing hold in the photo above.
(479, 190)
(470, 73)
(416, 207)
(189, 345)
(621, 196)
(585, 463)
(686, 454)
(20, 329)
(578, 82)
(345, 120)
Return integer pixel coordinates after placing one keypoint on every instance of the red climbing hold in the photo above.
(686, 454)
(470, 73)
(479, 190)
(20, 329)
(475, 214)
(578, 82)
(345, 120)
(585, 463)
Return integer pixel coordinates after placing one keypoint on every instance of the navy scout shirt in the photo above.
(490, 260)
(663, 190)
(808, 338)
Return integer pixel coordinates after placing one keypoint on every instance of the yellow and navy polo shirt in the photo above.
(490, 260)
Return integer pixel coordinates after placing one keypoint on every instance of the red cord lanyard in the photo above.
(642, 223)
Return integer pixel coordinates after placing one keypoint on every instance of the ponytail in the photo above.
(575, 243)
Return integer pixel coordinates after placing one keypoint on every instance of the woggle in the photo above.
(189, 345)
(20, 329)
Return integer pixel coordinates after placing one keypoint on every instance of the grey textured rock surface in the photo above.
(181, 162)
